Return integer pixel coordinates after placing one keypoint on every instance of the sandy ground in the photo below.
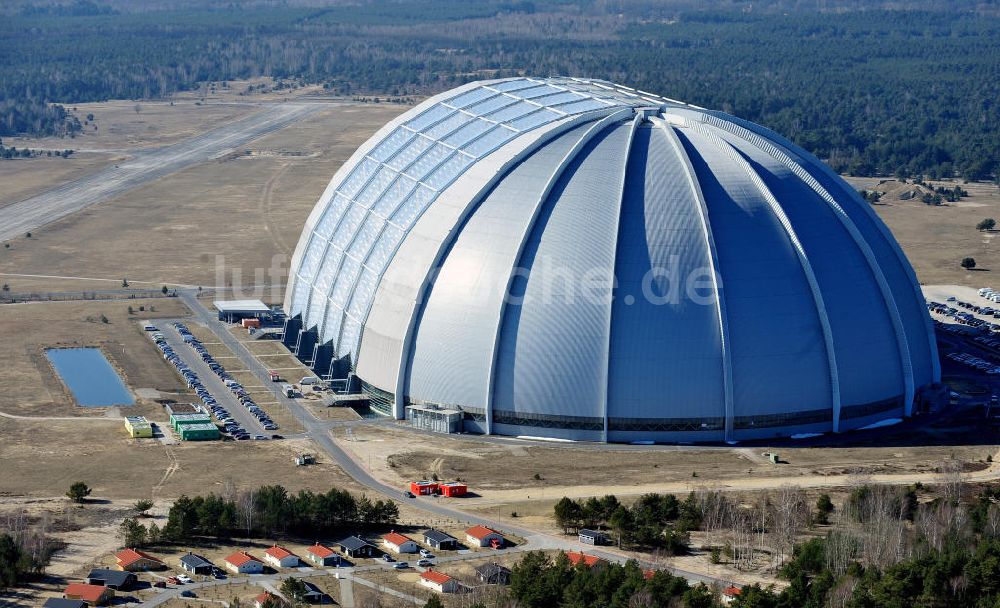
(30, 386)
(229, 221)
(506, 471)
(117, 127)
(937, 238)
(24, 178)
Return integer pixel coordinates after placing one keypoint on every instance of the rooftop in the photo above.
(279, 552)
(192, 559)
(126, 557)
(240, 306)
(435, 577)
(352, 543)
(88, 593)
(396, 538)
(320, 550)
(480, 532)
(575, 557)
(58, 602)
(240, 557)
(115, 578)
(437, 535)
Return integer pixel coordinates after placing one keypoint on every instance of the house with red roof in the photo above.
(261, 600)
(481, 536)
(322, 555)
(438, 581)
(133, 560)
(729, 595)
(242, 562)
(280, 557)
(398, 543)
(94, 595)
(575, 558)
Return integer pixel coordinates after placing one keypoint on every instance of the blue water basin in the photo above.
(89, 376)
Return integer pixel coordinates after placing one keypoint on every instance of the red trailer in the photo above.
(452, 489)
(424, 488)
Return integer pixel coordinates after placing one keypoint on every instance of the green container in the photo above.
(198, 432)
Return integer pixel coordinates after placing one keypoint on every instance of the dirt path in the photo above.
(116, 419)
(489, 497)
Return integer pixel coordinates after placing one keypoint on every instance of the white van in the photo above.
(309, 380)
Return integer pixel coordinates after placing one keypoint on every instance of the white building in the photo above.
(242, 562)
(481, 536)
(397, 543)
(438, 581)
(280, 557)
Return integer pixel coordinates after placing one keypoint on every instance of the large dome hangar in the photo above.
(573, 259)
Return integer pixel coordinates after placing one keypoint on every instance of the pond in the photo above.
(89, 376)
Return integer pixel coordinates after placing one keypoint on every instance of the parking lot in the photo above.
(216, 396)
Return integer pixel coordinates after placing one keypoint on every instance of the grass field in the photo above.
(227, 222)
(936, 238)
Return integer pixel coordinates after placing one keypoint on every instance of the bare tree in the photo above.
(247, 509)
(992, 524)
(789, 513)
(950, 480)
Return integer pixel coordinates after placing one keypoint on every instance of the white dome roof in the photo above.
(756, 294)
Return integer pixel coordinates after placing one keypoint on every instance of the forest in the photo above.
(870, 89)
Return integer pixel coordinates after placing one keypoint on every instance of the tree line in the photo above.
(873, 92)
(654, 521)
(266, 511)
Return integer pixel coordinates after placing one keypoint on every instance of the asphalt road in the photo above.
(319, 433)
(144, 166)
(213, 384)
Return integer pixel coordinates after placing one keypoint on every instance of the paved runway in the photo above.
(145, 166)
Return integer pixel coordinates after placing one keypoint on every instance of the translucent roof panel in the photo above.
(384, 194)
(493, 103)
(467, 99)
(394, 195)
(467, 133)
(410, 153)
(446, 126)
(331, 217)
(514, 85)
(390, 145)
(490, 141)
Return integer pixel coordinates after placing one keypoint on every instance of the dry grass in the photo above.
(935, 239)
(29, 385)
(121, 129)
(25, 178)
(246, 208)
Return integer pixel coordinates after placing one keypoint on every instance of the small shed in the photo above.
(180, 420)
(119, 580)
(398, 543)
(590, 561)
(439, 540)
(304, 459)
(196, 564)
(493, 574)
(94, 595)
(58, 602)
(438, 581)
(280, 557)
(134, 560)
(593, 537)
(138, 426)
(352, 546)
(313, 594)
(234, 311)
(452, 489)
(322, 555)
(199, 432)
(242, 562)
(424, 487)
(481, 536)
